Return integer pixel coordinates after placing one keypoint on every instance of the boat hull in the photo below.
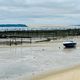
(69, 45)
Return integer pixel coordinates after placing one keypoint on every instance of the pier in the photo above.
(22, 36)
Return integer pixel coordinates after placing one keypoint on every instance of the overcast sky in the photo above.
(40, 11)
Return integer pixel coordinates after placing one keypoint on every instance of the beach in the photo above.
(25, 61)
(65, 74)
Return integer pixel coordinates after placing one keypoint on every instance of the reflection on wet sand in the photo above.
(28, 59)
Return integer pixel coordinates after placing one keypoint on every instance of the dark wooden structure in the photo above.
(38, 34)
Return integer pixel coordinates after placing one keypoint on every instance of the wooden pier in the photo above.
(13, 36)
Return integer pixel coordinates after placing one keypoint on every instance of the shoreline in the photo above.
(61, 74)
(6, 42)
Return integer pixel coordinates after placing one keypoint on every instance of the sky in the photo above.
(40, 11)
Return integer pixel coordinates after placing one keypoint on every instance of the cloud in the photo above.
(40, 11)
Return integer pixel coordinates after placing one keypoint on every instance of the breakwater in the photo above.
(13, 36)
(40, 33)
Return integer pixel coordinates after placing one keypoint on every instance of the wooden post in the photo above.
(15, 42)
(21, 40)
(10, 41)
(30, 40)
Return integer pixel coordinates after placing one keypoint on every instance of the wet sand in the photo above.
(26, 60)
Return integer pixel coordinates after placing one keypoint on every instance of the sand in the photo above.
(66, 74)
(26, 60)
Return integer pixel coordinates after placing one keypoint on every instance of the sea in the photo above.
(14, 27)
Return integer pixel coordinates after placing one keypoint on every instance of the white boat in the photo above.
(69, 44)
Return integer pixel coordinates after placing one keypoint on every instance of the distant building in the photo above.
(12, 27)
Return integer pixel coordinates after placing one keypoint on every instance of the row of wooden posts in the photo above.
(14, 41)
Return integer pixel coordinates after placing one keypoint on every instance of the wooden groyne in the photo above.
(29, 34)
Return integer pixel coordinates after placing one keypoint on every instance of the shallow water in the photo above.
(17, 61)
